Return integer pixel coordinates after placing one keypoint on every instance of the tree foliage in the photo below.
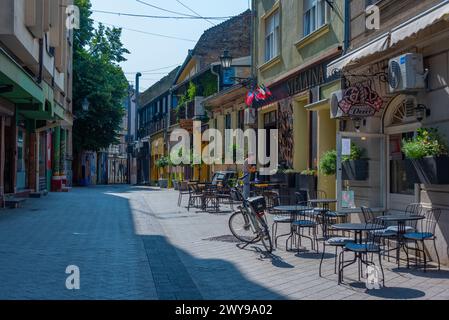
(98, 77)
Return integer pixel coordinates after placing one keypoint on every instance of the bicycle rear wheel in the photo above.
(265, 237)
(240, 227)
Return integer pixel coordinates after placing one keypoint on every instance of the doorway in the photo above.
(361, 182)
(400, 124)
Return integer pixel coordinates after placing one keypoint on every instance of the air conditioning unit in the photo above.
(336, 112)
(250, 116)
(406, 73)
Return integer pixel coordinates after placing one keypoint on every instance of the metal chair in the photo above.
(369, 245)
(306, 221)
(275, 200)
(384, 234)
(426, 231)
(331, 238)
(183, 190)
(195, 197)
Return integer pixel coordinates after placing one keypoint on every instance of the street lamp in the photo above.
(226, 60)
(421, 112)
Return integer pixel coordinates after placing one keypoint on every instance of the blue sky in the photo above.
(151, 52)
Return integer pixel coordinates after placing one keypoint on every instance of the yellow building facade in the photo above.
(294, 42)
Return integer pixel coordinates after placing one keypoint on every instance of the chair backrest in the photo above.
(317, 194)
(183, 186)
(271, 198)
(429, 224)
(301, 198)
(414, 209)
(368, 216)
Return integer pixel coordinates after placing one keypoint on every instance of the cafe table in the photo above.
(292, 211)
(400, 220)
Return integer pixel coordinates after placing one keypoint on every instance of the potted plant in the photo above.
(355, 166)
(306, 180)
(163, 163)
(328, 163)
(429, 155)
(290, 177)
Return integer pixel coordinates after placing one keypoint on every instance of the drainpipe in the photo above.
(137, 96)
(128, 140)
(216, 74)
(347, 33)
(41, 60)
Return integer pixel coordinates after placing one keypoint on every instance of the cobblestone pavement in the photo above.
(135, 243)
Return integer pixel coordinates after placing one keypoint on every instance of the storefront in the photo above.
(157, 152)
(300, 109)
(228, 111)
(7, 139)
(381, 107)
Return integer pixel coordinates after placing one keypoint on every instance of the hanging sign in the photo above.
(361, 101)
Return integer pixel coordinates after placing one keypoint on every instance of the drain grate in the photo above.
(226, 238)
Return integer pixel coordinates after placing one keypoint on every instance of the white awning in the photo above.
(377, 45)
(404, 31)
(420, 22)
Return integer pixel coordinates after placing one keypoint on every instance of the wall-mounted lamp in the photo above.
(421, 112)
(357, 124)
(226, 60)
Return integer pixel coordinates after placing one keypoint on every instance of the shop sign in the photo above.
(360, 101)
(310, 78)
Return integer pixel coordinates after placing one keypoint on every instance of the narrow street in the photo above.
(135, 243)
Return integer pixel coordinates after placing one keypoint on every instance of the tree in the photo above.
(98, 77)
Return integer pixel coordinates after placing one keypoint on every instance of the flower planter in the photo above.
(163, 183)
(306, 182)
(432, 170)
(355, 170)
(291, 180)
(410, 171)
(278, 178)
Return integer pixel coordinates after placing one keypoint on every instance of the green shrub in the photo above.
(328, 163)
(308, 172)
(428, 143)
(163, 162)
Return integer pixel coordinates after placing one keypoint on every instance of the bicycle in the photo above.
(249, 224)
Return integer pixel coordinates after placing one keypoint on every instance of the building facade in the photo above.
(153, 124)
(294, 41)
(35, 96)
(394, 109)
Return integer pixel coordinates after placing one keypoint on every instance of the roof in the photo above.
(233, 35)
(158, 89)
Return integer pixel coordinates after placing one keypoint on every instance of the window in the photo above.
(315, 15)
(272, 36)
(402, 175)
(228, 122)
(241, 119)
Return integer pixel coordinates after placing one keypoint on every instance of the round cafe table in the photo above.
(293, 211)
(401, 221)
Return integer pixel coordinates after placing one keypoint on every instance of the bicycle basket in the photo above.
(258, 204)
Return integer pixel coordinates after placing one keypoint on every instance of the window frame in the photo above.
(319, 21)
(272, 48)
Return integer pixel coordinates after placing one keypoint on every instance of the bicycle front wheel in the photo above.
(240, 227)
(265, 237)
